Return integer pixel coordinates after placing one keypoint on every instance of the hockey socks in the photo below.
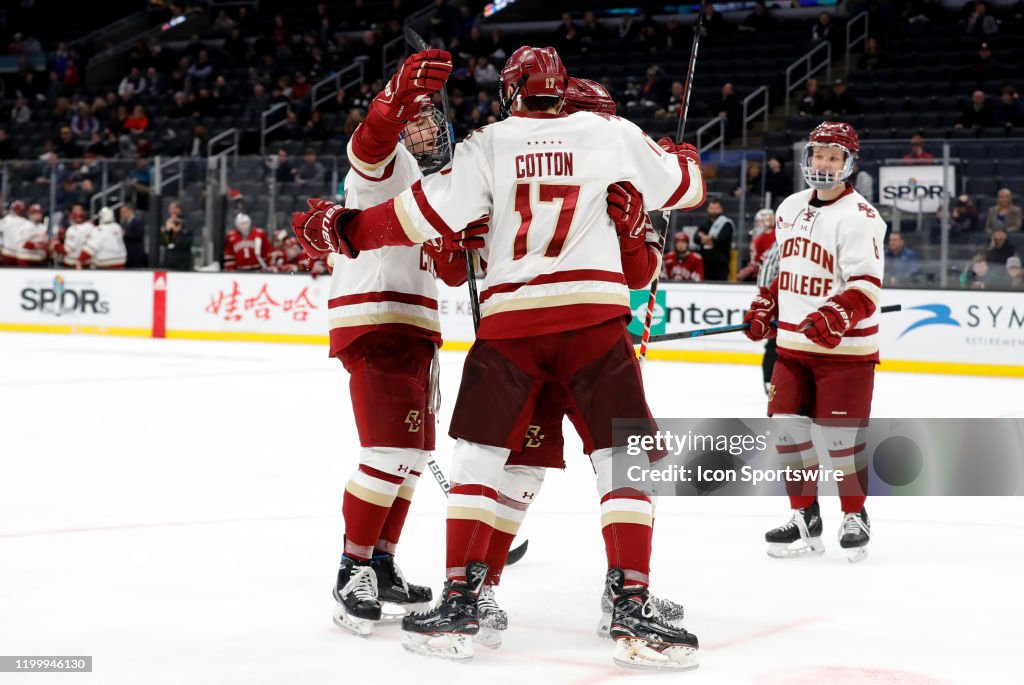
(627, 518)
(471, 519)
(391, 531)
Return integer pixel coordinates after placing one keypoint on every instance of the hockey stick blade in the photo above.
(719, 330)
(516, 553)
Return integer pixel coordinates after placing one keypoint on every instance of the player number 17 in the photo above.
(547, 192)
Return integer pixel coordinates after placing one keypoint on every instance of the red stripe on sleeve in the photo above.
(428, 212)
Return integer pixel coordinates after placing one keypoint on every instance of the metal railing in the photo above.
(266, 129)
(390, 64)
(762, 110)
(120, 190)
(718, 141)
(860, 37)
(337, 79)
(807, 62)
(230, 149)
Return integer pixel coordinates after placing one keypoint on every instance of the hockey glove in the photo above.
(759, 317)
(828, 325)
(446, 248)
(422, 73)
(684, 150)
(318, 229)
(626, 210)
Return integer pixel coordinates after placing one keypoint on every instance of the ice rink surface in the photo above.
(173, 508)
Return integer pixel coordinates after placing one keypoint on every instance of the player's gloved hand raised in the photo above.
(447, 249)
(827, 325)
(626, 210)
(759, 317)
(422, 73)
(680, 149)
(318, 229)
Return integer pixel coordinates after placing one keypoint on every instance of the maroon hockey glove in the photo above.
(759, 317)
(422, 73)
(680, 149)
(626, 210)
(828, 325)
(446, 249)
(318, 229)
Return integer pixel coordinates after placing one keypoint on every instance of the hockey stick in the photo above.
(718, 330)
(667, 213)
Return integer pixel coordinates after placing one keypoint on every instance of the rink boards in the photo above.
(938, 331)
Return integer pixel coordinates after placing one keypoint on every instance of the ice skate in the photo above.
(802, 535)
(493, 619)
(397, 597)
(446, 631)
(854, 535)
(642, 637)
(356, 594)
(671, 613)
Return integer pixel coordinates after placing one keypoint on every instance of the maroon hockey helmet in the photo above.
(584, 95)
(835, 134)
(532, 72)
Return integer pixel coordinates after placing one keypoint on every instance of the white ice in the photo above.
(173, 508)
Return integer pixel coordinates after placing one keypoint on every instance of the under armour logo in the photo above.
(527, 495)
(402, 468)
(413, 419)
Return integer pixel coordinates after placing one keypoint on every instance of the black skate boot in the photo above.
(642, 637)
(396, 596)
(447, 629)
(356, 595)
(854, 535)
(802, 535)
(493, 619)
(671, 613)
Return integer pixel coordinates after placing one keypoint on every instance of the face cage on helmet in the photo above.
(432, 160)
(825, 180)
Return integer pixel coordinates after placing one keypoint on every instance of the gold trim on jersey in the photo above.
(368, 495)
(365, 166)
(472, 514)
(408, 225)
(637, 517)
(871, 295)
(818, 349)
(507, 526)
(384, 317)
(547, 301)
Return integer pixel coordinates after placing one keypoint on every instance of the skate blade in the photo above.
(394, 613)
(640, 654)
(782, 550)
(604, 626)
(360, 627)
(445, 646)
(856, 554)
(488, 637)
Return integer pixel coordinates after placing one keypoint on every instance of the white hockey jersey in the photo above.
(74, 241)
(32, 243)
(388, 289)
(553, 255)
(11, 228)
(824, 249)
(105, 247)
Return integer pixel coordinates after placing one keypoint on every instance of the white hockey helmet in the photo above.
(106, 215)
(243, 223)
(764, 220)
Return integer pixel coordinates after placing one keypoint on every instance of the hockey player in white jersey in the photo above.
(104, 246)
(385, 330)
(10, 228)
(75, 236)
(554, 308)
(826, 301)
(32, 240)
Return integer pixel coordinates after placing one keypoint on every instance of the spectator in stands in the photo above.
(681, 264)
(566, 38)
(979, 276)
(983, 67)
(677, 37)
(839, 102)
(134, 237)
(758, 21)
(627, 29)
(714, 237)
(485, 75)
(980, 22)
(821, 31)
(901, 263)
(132, 84)
(138, 122)
(919, 14)
(1004, 214)
(777, 181)
(591, 32)
(84, 124)
(175, 240)
(978, 114)
(1009, 112)
(917, 152)
(714, 27)
(964, 218)
(66, 146)
(496, 46)
(873, 56)
(285, 171)
(812, 102)
(755, 180)
(729, 107)
(235, 47)
(20, 113)
(999, 249)
(1014, 274)
(762, 237)
(7, 150)
(311, 171)
(281, 36)
(675, 101)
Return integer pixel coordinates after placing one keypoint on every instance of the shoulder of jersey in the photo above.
(800, 197)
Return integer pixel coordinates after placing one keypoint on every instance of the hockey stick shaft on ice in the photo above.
(667, 214)
(718, 330)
